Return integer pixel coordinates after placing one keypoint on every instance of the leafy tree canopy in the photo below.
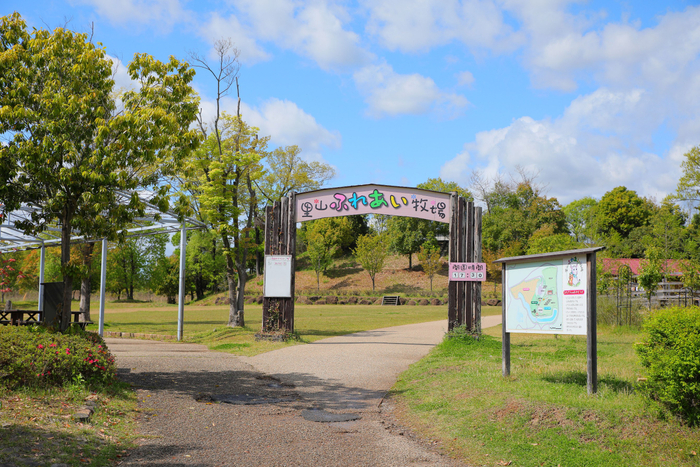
(70, 147)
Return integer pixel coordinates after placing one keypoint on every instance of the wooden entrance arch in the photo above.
(464, 298)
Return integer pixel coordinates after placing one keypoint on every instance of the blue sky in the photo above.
(590, 95)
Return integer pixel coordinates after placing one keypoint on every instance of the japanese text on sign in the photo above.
(373, 199)
(467, 272)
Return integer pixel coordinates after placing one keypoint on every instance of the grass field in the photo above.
(207, 324)
(541, 415)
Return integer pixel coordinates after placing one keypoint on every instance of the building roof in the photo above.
(612, 265)
(155, 222)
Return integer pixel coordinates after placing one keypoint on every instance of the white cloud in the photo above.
(313, 29)
(419, 25)
(120, 74)
(390, 93)
(287, 124)
(465, 78)
(162, 14)
(575, 155)
(242, 37)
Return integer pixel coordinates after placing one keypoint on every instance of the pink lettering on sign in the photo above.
(574, 292)
(467, 272)
(373, 199)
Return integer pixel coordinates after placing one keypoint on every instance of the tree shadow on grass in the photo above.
(580, 378)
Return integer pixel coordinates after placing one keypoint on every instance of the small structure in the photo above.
(551, 293)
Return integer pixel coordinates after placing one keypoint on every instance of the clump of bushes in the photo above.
(32, 356)
(671, 355)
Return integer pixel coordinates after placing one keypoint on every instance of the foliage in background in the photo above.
(371, 252)
(651, 272)
(671, 355)
(429, 258)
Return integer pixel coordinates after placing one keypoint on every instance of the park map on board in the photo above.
(547, 296)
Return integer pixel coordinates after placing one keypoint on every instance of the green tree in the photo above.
(516, 214)
(438, 184)
(688, 188)
(324, 238)
(406, 235)
(580, 219)
(691, 276)
(545, 240)
(72, 148)
(220, 177)
(429, 258)
(371, 252)
(651, 272)
(621, 210)
(286, 171)
(165, 279)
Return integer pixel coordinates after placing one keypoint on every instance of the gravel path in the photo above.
(350, 374)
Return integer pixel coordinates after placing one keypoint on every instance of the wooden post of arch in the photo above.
(280, 239)
(464, 302)
(464, 298)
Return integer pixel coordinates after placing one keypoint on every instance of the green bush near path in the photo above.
(671, 355)
(542, 414)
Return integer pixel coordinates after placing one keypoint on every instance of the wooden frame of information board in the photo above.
(529, 263)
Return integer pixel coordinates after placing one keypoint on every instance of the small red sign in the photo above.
(467, 272)
(574, 292)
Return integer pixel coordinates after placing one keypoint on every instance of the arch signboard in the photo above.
(464, 302)
(373, 199)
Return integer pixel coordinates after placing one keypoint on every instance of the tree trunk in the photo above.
(318, 281)
(67, 277)
(85, 299)
(85, 284)
(233, 308)
(242, 279)
(410, 262)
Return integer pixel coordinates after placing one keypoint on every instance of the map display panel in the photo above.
(547, 297)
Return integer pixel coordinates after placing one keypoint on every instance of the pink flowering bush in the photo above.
(32, 356)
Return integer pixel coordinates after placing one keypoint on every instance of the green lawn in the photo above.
(207, 324)
(541, 414)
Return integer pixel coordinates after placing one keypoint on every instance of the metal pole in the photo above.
(505, 349)
(42, 262)
(103, 288)
(592, 337)
(181, 301)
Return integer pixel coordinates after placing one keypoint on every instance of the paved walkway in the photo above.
(175, 384)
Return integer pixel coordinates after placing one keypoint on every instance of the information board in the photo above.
(278, 276)
(471, 272)
(547, 297)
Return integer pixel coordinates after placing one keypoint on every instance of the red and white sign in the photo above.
(471, 272)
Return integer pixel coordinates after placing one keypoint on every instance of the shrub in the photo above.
(32, 356)
(331, 300)
(671, 354)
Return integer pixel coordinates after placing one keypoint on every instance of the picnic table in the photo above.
(25, 317)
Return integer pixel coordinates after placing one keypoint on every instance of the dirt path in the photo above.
(343, 375)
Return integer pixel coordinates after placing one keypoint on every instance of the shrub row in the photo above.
(34, 357)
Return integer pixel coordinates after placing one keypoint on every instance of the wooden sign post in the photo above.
(551, 293)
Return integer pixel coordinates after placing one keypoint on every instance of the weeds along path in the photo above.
(178, 385)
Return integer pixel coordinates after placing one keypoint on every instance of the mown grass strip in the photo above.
(541, 414)
(207, 325)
